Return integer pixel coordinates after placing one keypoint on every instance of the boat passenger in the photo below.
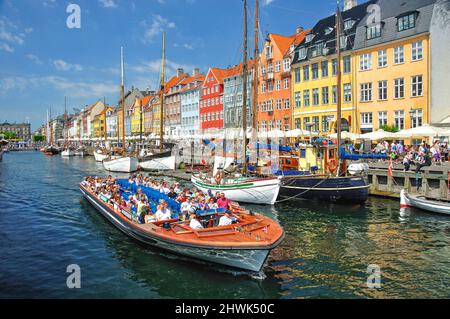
(223, 202)
(172, 194)
(225, 220)
(162, 213)
(150, 218)
(195, 224)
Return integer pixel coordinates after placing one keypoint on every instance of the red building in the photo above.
(211, 100)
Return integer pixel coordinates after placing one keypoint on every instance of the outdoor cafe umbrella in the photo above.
(421, 131)
(378, 135)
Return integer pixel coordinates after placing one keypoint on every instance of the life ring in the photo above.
(332, 165)
(218, 177)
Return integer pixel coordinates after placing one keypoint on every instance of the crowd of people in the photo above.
(140, 209)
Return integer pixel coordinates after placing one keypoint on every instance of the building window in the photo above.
(263, 69)
(270, 68)
(399, 55)
(366, 92)
(287, 104)
(306, 100)
(365, 62)
(399, 119)
(366, 119)
(382, 58)
(347, 92)
(278, 104)
(278, 85)
(325, 124)
(325, 95)
(315, 127)
(382, 90)
(286, 84)
(270, 87)
(298, 99)
(315, 93)
(324, 68)
(297, 75)
(417, 85)
(263, 87)
(269, 52)
(399, 88)
(306, 73)
(278, 66)
(315, 71)
(286, 65)
(406, 22)
(334, 67)
(417, 51)
(334, 94)
(416, 118)
(373, 31)
(347, 64)
(382, 119)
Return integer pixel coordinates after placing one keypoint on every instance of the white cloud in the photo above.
(6, 47)
(62, 65)
(155, 26)
(49, 3)
(34, 58)
(267, 2)
(108, 3)
(70, 88)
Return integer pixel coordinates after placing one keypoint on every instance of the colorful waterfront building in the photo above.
(155, 107)
(314, 70)
(172, 102)
(130, 100)
(402, 64)
(211, 100)
(274, 81)
(233, 96)
(111, 123)
(190, 99)
(99, 123)
(137, 116)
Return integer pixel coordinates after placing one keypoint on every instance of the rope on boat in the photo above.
(302, 193)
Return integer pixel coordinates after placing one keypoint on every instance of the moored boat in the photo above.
(100, 155)
(243, 245)
(158, 162)
(262, 191)
(424, 203)
(121, 164)
(68, 153)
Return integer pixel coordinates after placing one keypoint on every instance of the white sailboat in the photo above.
(123, 164)
(100, 156)
(242, 188)
(163, 160)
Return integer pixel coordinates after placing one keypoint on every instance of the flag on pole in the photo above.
(265, 229)
(390, 168)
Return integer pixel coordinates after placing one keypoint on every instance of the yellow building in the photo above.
(155, 105)
(314, 74)
(99, 123)
(136, 116)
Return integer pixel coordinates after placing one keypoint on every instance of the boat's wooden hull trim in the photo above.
(159, 164)
(250, 259)
(341, 190)
(433, 206)
(263, 191)
(122, 165)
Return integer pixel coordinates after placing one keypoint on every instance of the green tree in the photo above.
(10, 135)
(389, 128)
(38, 138)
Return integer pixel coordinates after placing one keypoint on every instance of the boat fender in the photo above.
(218, 177)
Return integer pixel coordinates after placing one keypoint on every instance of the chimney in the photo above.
(299, 30)
(349, 4)
(196, 71)
(180, 72)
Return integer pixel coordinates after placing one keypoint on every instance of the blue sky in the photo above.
(42, 60)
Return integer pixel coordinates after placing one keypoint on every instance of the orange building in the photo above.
(274, 81)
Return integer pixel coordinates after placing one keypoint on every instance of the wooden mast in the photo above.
(65, 123)
(255, 70)
(338, 87)
(244, 93)
(105, 130)
(122, 93)
(161, 111)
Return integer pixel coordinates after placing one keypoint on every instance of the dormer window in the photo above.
(328, 30)
(309, 37)
(349, 24)
(373, 31)
(407, 21)
(302, 53)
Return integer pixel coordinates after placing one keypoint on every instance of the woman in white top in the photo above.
(195, 224)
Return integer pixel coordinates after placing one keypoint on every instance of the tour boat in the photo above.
(263, 191)
(424, 203)
(244, 245)
(121, 164)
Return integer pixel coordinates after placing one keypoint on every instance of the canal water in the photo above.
(46, 225)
